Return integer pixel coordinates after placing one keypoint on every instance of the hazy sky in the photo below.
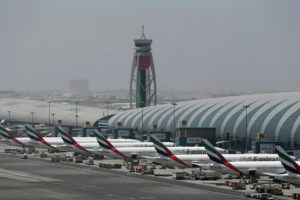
(206, 45)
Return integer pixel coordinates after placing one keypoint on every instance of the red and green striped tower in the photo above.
(142, 79)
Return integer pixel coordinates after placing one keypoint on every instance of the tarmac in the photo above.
(37, 179)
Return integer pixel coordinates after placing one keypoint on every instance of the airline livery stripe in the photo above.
(161, 149)
(17, 141)
(215, 159)
(106, 144)
(32, 136)
(3, 128)
(80, 147)
(290, 169)
(66, 139)
(286, 160)
(37, 136)
(102, 144)
(161, 152)
(178, 160)
(231, 166)
(213, 155)
(157, 143)
(4, 134)
(47, 144)
(118, 152)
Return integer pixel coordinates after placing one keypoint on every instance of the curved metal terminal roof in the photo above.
(277, 115)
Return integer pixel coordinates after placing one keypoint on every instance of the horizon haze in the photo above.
(197, 45)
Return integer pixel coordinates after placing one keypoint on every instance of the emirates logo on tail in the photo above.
(217, 157)
(67, 138)
(103, 142)
(288, 163)
(31, 133)
(163, 150)
(7, 133)
(35, 135)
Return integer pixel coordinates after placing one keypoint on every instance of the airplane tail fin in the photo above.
(104, 143)
(66, 137)
(165, 151)
(213, 153)
(5, 132)
(288, 163)
(160, 147)
(32, 133)
(35, 135)
(217, 157)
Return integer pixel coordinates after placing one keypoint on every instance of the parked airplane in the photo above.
(94, 147)
(71, 143)
(251, 168)
(170, 158)
(7, 134)
(113, 151)
(292, 167)
(37, 136)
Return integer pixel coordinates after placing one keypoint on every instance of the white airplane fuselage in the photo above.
(141, 152)
(191, 160)
(58, 143)
(259, 167)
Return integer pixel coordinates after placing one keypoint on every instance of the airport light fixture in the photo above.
(76, 110)
(107, 103)
(32, 113)
(9, 117)
(49, 102)
(174, 117)
(53, 114)
(142, 120)
(246, 118)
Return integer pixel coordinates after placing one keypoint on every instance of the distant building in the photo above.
(79, 86)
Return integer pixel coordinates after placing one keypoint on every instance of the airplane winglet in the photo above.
(104, 143)
(165, 151)
(288, 163)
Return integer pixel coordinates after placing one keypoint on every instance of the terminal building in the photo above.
(239, 121)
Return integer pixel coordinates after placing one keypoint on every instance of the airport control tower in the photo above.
(142, 79)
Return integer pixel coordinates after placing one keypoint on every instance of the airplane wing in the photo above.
(202, 165)
(150, 157)
(276, 175)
